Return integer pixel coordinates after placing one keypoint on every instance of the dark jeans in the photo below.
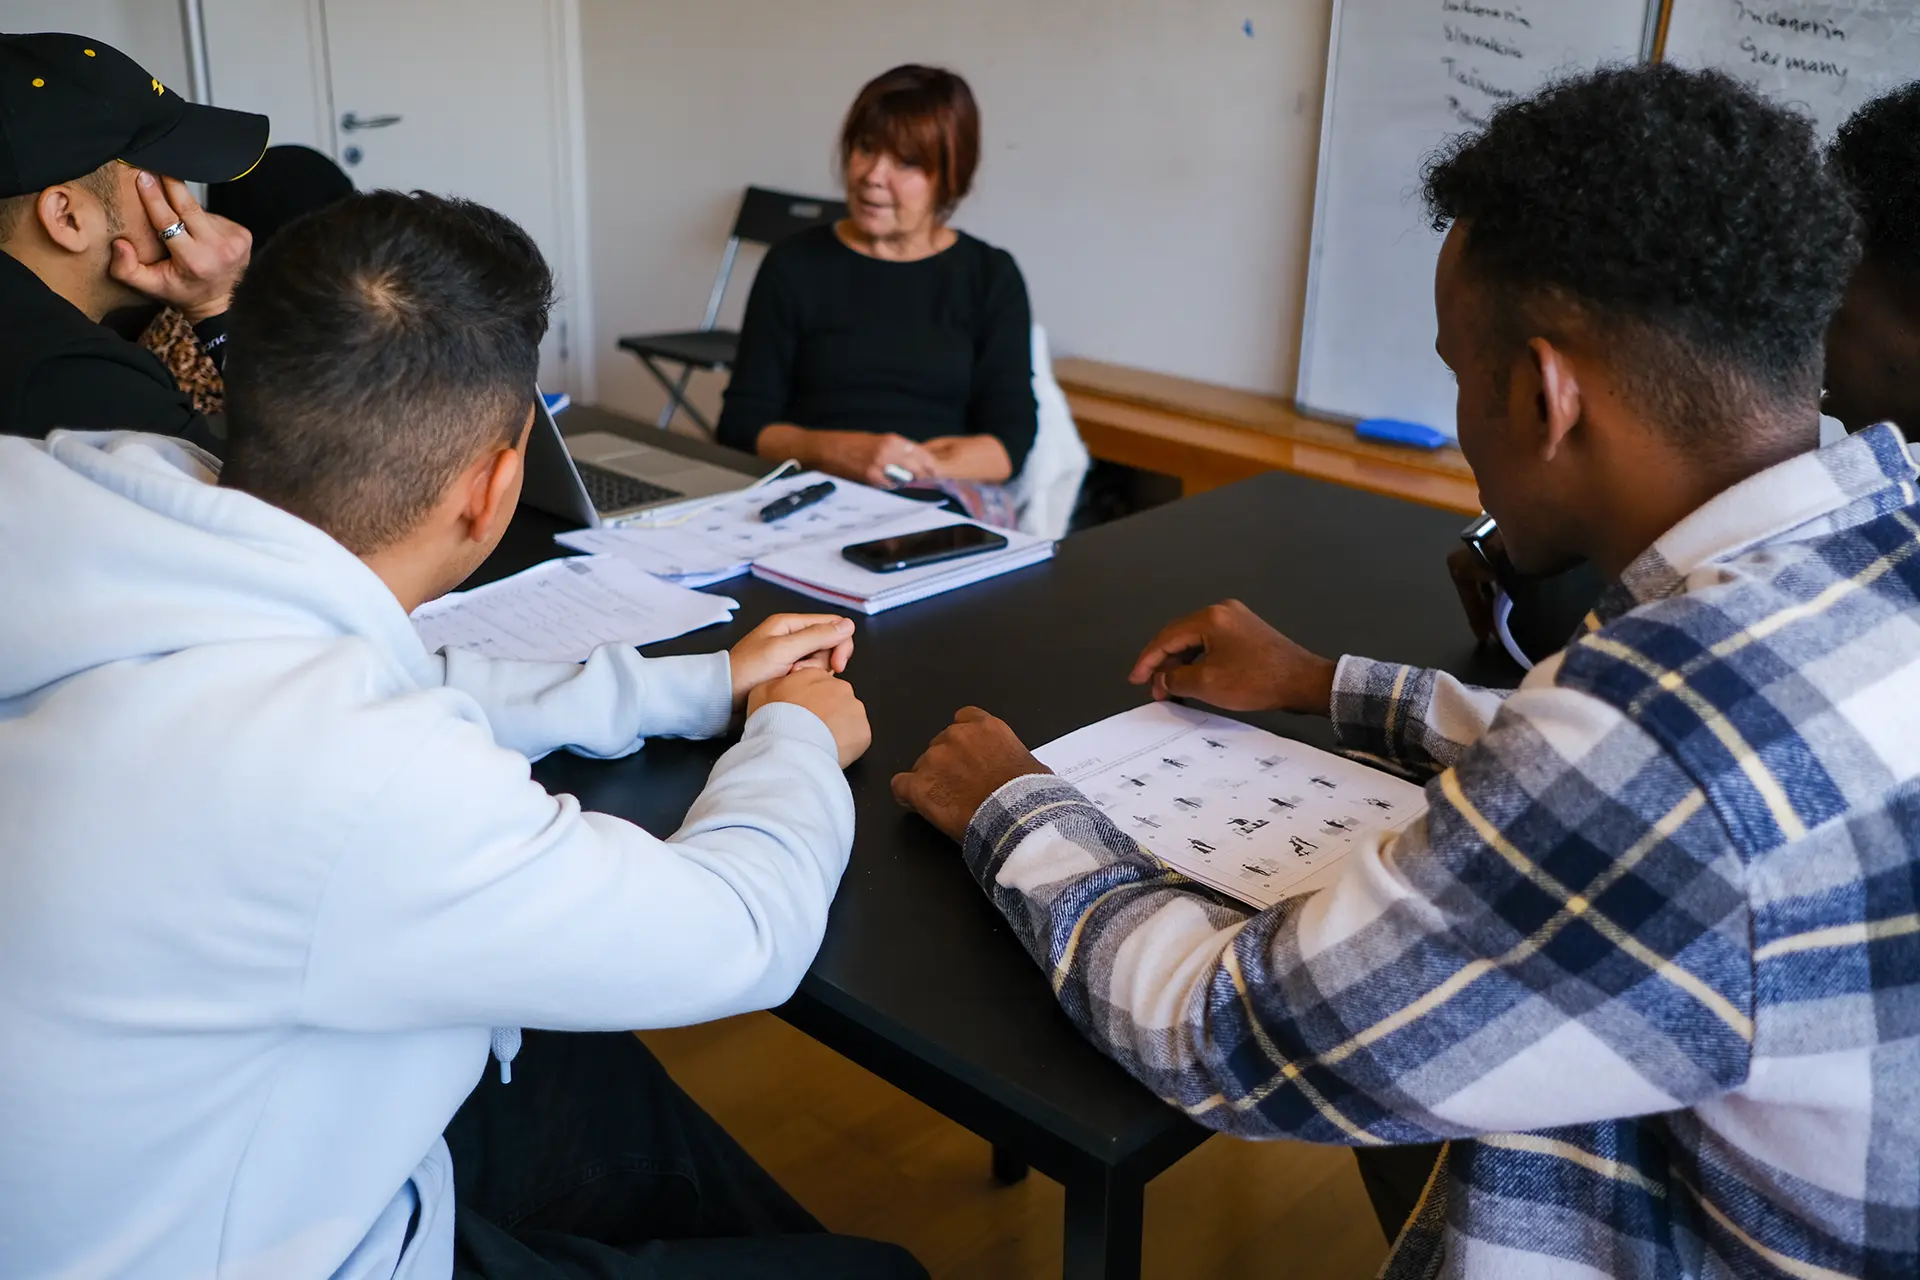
(593, 1165)
(1394, 1177)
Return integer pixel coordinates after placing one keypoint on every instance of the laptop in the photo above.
(598, 478)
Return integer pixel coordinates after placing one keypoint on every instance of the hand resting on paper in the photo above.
(1225, 655)
(828, 697)
(972, 758)
(786, 643)
(851, 455)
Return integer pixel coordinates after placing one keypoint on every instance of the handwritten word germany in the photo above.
(1789, 62)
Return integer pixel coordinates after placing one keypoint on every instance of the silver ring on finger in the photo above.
(168, 233)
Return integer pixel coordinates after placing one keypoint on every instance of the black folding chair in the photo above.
(766, 217)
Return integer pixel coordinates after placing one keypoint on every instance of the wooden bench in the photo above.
(1208, 435)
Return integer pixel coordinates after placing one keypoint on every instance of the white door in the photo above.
(460, 97)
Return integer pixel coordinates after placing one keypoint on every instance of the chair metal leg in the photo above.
(1008, 1167)
(676, 396)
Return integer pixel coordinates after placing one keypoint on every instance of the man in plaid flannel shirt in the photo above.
(1652, 959)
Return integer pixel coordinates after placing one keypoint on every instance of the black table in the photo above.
(919, 980)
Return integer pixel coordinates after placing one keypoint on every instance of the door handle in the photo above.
(350, 122)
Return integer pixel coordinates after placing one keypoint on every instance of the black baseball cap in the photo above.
(69, 104)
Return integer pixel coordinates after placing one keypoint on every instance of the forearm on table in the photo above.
(1415, 997)
(781, 441)
(1413, 719)
(1158, 973)
(582, 921)
(604, 707)
(983, 458)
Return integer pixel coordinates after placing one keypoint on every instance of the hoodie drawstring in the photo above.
(506, 1045)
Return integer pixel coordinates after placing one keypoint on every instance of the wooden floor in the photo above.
(868, 1160)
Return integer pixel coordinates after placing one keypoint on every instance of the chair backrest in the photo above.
(768, 217)
(1048, 487)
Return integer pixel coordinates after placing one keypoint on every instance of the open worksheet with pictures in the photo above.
(1256, 816)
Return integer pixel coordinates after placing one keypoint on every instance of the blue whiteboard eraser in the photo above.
(1394, 431)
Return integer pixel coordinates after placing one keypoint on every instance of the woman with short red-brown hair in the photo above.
(889, 347)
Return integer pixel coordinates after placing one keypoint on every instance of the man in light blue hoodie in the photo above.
(271, 873)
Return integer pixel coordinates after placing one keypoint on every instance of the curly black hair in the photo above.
(1878, 155)
(1678, 215)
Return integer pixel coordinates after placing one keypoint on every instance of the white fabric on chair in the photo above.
(1048, 486)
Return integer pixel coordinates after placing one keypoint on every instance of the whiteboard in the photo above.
(1402, 77)
(1826, 58)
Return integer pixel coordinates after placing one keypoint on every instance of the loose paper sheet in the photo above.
(563, 610)
(1257, 816)
(725, 537)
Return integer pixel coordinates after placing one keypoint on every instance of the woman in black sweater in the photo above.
(890, 348)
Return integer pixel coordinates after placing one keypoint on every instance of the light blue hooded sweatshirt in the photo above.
(269, 873)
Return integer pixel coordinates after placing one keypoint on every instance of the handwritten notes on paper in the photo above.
(562, 610)
(1827, 58)
(1406, 76)
(1256, 816)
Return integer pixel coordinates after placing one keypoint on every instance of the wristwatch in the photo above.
(1482, 536)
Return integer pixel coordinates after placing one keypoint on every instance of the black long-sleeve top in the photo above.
(60, 369)
(836, 341)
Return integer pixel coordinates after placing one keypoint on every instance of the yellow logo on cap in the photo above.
(158, 87)
(38, 83)
(88, 52)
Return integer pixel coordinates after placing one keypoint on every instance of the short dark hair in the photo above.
(924, 116)
(1878, 155)
(103, 184)
(1679, 216)
(377, 347)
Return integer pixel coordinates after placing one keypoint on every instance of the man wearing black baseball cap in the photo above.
(95, 215)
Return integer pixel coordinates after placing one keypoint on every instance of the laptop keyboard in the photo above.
(616, 491)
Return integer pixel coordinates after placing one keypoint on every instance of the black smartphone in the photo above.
(911, 550)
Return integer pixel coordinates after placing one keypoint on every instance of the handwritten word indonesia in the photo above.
(1473, 10)
(1788, 22)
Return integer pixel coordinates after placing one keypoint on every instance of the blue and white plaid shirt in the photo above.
(1653, 957)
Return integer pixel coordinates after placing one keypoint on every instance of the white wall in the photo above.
(148, 31)
(269, 56)
(1148, 163)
